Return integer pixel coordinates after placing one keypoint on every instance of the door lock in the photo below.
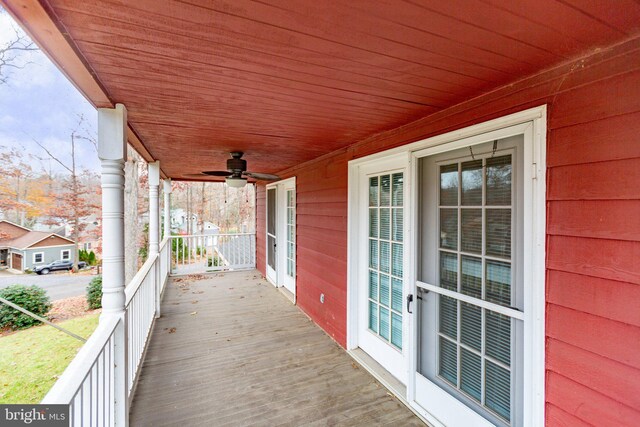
(409, 301)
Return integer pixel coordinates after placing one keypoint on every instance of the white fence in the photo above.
(88, 384)
(212, 252)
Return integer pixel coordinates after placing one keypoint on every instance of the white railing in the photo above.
(87, 384)
(141, 309)
(212, 252)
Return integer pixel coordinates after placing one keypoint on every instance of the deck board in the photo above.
(242, 354)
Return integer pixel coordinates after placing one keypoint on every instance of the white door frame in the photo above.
(281, 232)
(532, 121)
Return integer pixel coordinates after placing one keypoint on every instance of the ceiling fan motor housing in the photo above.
(236, 164)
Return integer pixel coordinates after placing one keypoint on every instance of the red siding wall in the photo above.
(593, 228)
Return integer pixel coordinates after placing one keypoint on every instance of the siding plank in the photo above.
(600, 297)
(608, 338)
(583, 406)
(613, 219)
(615, 180)
(605, 376)
(609, 259)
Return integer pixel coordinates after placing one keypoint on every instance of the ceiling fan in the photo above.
(236, 172)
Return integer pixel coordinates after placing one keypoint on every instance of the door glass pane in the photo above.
(498, 282)
(499, 181)
(396, 330)
(373, 316)
(271, 211)
(471, 239)
(471, 373)
(396, 294)
(373, 223)
(396, 259)
(384, 256)
(472, 183)
(449, 228)
(448, 361)
(448, 314)
(384, 290)
(373, 253)
(471, 325)
(397, 224)
(449, 185)
(498, 390)
(498, 336)
(385, 190)
(397, 189)
(373, 285)
(373, 191)
(449, 271)
(384, 323)
(385, 224)
(472, 276)
(498, 232)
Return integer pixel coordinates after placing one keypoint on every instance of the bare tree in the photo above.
(73, 204)
(11, 51)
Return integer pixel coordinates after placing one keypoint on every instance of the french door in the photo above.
(382, 327)
(447, 267)
(281, 234)
(470, 284)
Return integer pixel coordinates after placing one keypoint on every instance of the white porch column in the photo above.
(154, 228)
(112, 150)
(154, 208)
(166, 188)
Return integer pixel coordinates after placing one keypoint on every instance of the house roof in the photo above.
(31, 238)
(290, 82)
(13, 224)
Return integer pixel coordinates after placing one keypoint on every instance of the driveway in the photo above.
(57, 285)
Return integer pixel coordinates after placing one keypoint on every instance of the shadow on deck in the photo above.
(231, 350)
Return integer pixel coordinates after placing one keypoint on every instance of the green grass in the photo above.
(31, 360)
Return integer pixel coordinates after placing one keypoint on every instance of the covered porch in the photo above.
(230, 349)
(368, 112)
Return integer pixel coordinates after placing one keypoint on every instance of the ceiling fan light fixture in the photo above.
(235, 182)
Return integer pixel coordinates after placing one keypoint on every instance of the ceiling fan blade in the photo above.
(261, 176)
(194, 175)
(217, 173)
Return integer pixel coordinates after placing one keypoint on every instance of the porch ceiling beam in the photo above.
(53, 40)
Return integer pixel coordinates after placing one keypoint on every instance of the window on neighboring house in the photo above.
(87, 246)
(38, 257)
(65, 254)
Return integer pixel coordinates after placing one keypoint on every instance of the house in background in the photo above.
(22, 249)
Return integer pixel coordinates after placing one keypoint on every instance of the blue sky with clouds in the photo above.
(39, 102)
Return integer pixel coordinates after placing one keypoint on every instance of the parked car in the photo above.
(65, 265)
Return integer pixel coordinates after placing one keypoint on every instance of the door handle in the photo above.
(409, 301)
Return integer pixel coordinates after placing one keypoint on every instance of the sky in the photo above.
(38, 102)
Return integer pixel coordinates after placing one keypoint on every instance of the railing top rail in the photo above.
(137, 280)
(164, 242)
(175, 236)
(73, 376)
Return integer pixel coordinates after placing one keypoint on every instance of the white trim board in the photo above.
(531, 123)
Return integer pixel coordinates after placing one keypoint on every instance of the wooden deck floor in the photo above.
(231, 350)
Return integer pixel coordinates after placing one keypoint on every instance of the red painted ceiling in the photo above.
(286, 81)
